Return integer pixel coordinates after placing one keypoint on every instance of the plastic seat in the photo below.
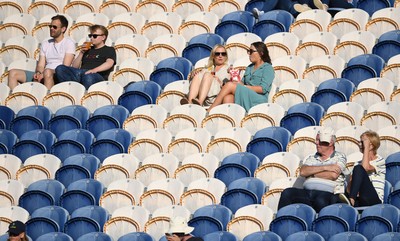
(145, 117)
(7, 141)
(6, 116)
(380, 115)
(95, 236)
(196, 167)
(11, 191)
(223, 116)
(79, 28)
(111, 9)
(323, 68)
(355, 43)
(131, 45)
(27, 43)
(10, 8)
(132, 70)
(383, 20)
(10, 164)
(348, 20)
(70, 173)
(55, 236)
(184, 116)
(30, 118)
(50, 187)
(55, 213)
(48, 161)
(166, 45)
(142, 236)
(388, 45)
(146, 143)
(316, 44)
(293, 92)
(288, 67)
(216, 211)
(281, 43)
(350, 236)
(316, 20)
(92, 186)
(171, 69)
(43, 136)
(342, 114)
(26, 149)
(108, 173)
(105, 118)
(126, 161)
(132, 186)
(389, 236)
(286, 225)
(305, 235)
(391, 177)
(275, 21)
(138, 94)
(262, 236)
(204, 225)
(148, 9)
(17, 24)
(160, 24)
(72, 142)
(198, 23)
(67, 118)
(193, 199)
(78, 226)
(223, 7)
(35, 227)
(235, 22)
(220, 236)
(97, 213)
(189, 141)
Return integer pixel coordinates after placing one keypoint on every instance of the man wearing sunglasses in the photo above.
(324, 172)
(180, 231)
(53, 51)
(93, 64)
(17, 231)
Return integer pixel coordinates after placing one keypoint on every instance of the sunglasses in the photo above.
(250, 51)
(53, 26)
(94, 35)
(177, 234)
(220, 53)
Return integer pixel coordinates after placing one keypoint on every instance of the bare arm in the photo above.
(103, 67)
(38, 76)
(366, 154)
(68, 58)
(78, 60)
(330, 172)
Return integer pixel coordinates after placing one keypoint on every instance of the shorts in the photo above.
(29, 75)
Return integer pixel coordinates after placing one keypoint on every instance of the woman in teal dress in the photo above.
(256, 83)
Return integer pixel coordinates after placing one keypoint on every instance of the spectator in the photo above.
(256, 84)
(93, 64)
(16, 231)
(180, 231)
(53, 52)
(324, 172)
(207, 83)
(367, 183)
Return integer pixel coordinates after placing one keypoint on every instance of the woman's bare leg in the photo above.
(205, 86)
(194, 88)
(229, 99)
(228, 89)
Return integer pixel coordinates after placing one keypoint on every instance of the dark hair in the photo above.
(62, 19)
(95, 27)
(263, 51)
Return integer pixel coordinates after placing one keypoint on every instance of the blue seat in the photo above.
(89, 161)
(97, 213)
(394, 196)
(388, 45)
(390, 236)
(261, 5)
(25, 149)
(76, 227)
(74, 199)
(106, 117)
(196, 51)
(263, 146)
(348, 236)
(6, 116)
(217, 211)
(49, 186)
(204, 225)
(30, 118)
(7, 141)
(343, 211)
(394, 157)
(35, 227)
(111, 142)
(303, 211)
(371, 6)
(72, 142)
(55, 213)
(262, 236)
(54, 236)
(302, 115)
(237, 198)
(235, 22)
(136, 236)
(252, 184)
(282, 135)
(246, 159)
(209, 39)
(68, 118)
(305, 236)
(327, 226)
(333, 91)
(92, 186)
(392, 172)
(45, 137)
(35, 199)
(362, 67)
(271, 22)
(382, 217)
(67, 174)
(220, 236)
(171, 69)
(287, 225)
(95, 236)
(230, 172)
(151, 88)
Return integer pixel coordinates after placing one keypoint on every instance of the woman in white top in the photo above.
(367, 182)
(207, 83)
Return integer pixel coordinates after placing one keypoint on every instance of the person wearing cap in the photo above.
(324, 173)
(16, 231)
(180, 231)
(366, 185)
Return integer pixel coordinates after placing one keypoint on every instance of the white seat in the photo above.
(122, 23)
(308, 22)
(151, 8)
(286, 182)
(80, 28)
(293, 92)
(140, 214)
(11, 163)
(186, 8)
(9, 8)
(14, 213)
(355, 43)
(236, 51)
(37, 8)
(157, 167)
(4, 92)
(323, 68)
(164, 46)
(343, 114)
(239, 134)
(16, 24)
(113, 8)
(10, 191)
(64, 94)
(113, 89)
(172, 19)
(127, 161)
(145, 117)
(384, 20)
(179, 85)
(130, 46)
(26, 94)
(10, 53)
(289, 160)
(301, 146)
(76, 8)
(206, 163)
(222, 116)
(348, 20)
(222, 7)
(243, 38)
(114, 199)
(282, 43)
(288, 67)
(189, 141)
(171, 211)
(271, 198)
(132, 186)
(48, 161)
(309, 131)
(184, 116)
(351, 131)
(149, 142)
(27, 42)
(392, 70)
(119, 226)
(241, 64)
(213, 185)
(382, 85)
(385, 112)
(316, 44)
(109, 173)
(389, 136)
(198, 23)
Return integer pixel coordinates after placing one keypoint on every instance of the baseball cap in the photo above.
(16, 228)
(326, 134)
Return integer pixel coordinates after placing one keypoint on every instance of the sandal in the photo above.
(184, 101)
(196, 101)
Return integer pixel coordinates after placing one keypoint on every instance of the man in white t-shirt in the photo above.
(53, 52)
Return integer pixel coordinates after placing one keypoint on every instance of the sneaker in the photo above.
(320, 5)
(301, 7)
(344, 198)
(257, 13)
(184, 101)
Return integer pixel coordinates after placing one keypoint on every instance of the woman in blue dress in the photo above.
(256, 84)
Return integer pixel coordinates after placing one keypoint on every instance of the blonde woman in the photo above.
(207, 83)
